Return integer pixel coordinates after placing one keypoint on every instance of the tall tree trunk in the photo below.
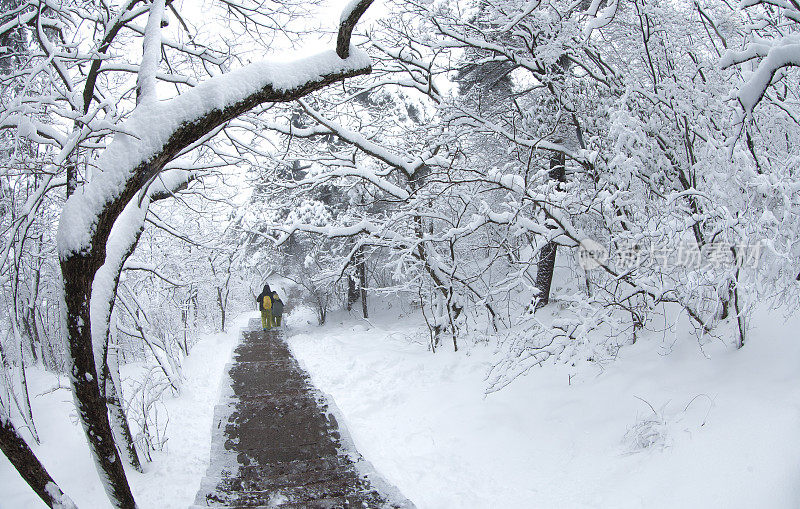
(544, 273)
(195, 305)
(222, 295)
(362, 280)
(78, 270)
(26, 396)
(739, 319)
(352, 292)
(36, 339)
(30, 468)
(72, 178)
(221, 303)
(352, 284)
(26, 317)
(547, 256)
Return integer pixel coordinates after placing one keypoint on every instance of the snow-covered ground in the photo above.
(726, 433)
(171, 480)
(560, 437)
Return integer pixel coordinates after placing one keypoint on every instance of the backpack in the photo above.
(277, 304)
(267, 302)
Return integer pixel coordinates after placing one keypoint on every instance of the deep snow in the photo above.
(559, 437)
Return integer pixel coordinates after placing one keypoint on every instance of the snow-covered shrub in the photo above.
(146, 411)
(658, 429)
(650, 432)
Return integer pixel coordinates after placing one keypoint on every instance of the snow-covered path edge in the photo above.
(171, 480)
(348, 447)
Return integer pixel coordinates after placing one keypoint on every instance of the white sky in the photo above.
(201, 15)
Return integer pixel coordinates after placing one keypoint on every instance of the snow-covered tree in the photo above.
(120, 146)
(562, 122)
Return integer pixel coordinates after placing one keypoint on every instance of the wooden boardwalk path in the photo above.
(277, 443)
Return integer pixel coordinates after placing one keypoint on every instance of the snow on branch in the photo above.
(151, 54)
(599, 18)
(774, 55)
(373, 149)
(370, 176)
(157, 131)
(782, 53)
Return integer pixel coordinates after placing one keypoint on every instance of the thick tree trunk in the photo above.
(78, 271)
(547, 256)
(544, 273)
(72, 178)
(30, 468)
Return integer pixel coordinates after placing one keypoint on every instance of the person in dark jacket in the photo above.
(277, 309)
(264, 300)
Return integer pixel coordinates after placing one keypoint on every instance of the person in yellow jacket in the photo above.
(264, 300)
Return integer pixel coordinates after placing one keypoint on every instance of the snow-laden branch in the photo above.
(774, 55)
(155, 132)
(347, 22)
(151, 54)
(463, 40)
(120, 245)
(357, 139)
(599, 18)
(361, 173)
(784, 52)
(331, 232)
(30, 128)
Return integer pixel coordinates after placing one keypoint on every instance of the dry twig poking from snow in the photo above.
(657, 431)
(651, 432)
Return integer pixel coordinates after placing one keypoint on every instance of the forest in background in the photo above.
(153, 177)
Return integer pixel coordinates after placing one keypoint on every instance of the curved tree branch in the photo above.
(136, 154)
(29, 467)
(350, 16)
